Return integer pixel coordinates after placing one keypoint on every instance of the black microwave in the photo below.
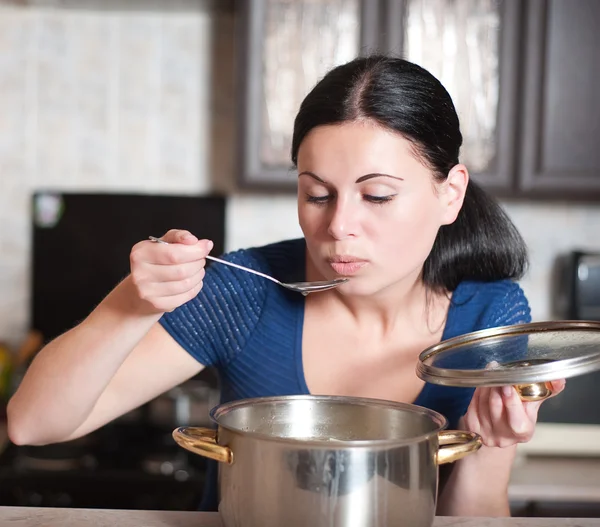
(577, 286)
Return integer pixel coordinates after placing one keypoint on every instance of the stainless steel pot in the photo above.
(322, 461)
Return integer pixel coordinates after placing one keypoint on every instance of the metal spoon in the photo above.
(300, 287)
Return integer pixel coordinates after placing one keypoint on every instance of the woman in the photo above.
(383, 200)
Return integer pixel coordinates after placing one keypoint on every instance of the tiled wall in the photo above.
(135, 95)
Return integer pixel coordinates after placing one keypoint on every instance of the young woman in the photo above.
(383, 200)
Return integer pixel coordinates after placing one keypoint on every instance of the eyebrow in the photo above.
(359, 180)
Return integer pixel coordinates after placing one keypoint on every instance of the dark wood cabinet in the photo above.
(282, 48)
(541, 125)
(501, 21)
(560, 119)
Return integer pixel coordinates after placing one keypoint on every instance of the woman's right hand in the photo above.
(166, 276)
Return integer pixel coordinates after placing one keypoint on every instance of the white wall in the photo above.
(139, 99)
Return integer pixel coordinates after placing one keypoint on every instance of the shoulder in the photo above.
(482, 305)
(486, 292)
(284, 259)
(217, 324)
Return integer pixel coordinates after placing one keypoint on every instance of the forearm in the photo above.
(67, 377)
(478, 484)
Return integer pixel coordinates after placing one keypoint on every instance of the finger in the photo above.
(519, 422)
(156, 273)
(471, 417)
(179, 236)
(496, 406)
(484, 402)
(153, 291)
(170, 303)
(532, 408)
(558, 386)
(169, 254)
(483, 410)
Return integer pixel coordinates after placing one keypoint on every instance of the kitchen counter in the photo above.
(47, 517)
(556, 479)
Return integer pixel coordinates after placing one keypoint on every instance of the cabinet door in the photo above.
(472, 47)
(561, 113)
(286, 46)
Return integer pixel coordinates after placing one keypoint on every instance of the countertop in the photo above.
(556, 479)
(48, 517)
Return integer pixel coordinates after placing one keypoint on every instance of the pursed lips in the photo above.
(346, 265)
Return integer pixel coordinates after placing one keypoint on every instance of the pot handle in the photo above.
(202, 441)
(456, 444)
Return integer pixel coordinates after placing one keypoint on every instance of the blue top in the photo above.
(250, 329)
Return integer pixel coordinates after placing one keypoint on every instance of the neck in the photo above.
(407, 304)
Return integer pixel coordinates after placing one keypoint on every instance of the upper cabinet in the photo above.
(524, 76)
(286, 47)
(472, 47)
(560, 118)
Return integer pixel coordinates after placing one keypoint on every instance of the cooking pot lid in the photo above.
(518, 354)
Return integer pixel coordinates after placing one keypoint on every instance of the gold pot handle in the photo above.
(456, 444)
(537, 391)
(202, 441)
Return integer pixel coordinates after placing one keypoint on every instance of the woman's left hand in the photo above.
(501, 418)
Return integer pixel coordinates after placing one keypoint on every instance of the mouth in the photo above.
(346, 265)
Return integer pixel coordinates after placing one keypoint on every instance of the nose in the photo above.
(343, 222)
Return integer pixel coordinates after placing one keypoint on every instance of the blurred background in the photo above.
(123, 118)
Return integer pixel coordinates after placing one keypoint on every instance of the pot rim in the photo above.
(437, 418)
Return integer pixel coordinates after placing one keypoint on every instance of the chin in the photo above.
(356, 287)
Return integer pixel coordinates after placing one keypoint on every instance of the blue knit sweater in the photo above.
(250, 329)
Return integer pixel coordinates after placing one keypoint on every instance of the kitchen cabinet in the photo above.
(560, 121)
(524, 76)
(472, 47)
(547, 121)
(284, 48)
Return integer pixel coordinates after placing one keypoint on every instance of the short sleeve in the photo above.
(510, 308)
(476, 306)
(214, 326)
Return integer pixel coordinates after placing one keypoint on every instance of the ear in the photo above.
(453, 195)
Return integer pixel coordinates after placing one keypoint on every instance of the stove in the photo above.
(120, 466)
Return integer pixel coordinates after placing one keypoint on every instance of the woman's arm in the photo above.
(118, 357)
(478, 484)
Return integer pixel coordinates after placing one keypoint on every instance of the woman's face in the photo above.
(368, 208)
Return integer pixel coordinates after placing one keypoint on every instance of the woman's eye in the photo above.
(318, 199)
(378, 199)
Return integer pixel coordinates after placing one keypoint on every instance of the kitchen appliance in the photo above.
(73, 267)
(124, 465)
(132, 462)
(576, 287)
(569, 425)
(327, 461)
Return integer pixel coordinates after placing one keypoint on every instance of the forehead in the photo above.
(357, 146)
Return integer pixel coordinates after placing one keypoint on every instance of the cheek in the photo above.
(306, 219)
(409, 233)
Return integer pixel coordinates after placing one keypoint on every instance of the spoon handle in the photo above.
(214, 259)
(231, 264)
